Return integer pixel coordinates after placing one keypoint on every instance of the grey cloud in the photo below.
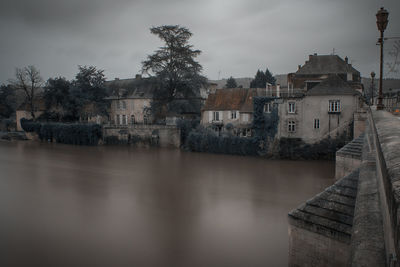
(237, 37)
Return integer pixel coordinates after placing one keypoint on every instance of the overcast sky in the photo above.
(236, 37)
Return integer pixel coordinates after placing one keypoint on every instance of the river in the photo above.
(64, 205)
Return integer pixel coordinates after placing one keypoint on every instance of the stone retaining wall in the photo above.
(166, 136)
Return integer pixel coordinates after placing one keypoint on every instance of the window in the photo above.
(291, 126)
(350, 76)
(216, 115)
(117, 119)
(292, 107)
(245, 117)
(267, 108)
(132, 119)
(334, 105)
(316, 123)
(145, 119)
(246, 132)
(234, 115)
(118, 104)
(123, 105)
(123, 120)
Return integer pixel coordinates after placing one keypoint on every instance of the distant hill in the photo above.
(244, 82)
(281, 79)
(387, 84)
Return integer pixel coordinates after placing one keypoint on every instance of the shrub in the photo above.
(74, 134)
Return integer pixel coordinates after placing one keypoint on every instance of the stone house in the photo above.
(325, 110)
(131, 109)
(319, 68)
(232, 107)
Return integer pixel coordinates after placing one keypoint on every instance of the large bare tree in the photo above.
(29, 81)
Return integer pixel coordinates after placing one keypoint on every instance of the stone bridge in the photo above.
(356, 221)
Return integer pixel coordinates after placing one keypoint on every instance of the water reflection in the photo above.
(117, 206)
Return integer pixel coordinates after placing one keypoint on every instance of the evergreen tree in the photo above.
(7, 101)
(269, 77)
(259, 80)
(176, 69)
(231, 83)
(262, 78)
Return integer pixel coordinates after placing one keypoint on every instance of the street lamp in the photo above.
(381, 22)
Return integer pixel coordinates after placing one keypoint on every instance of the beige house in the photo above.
(326, 110)
(131, 109)
(230, 107)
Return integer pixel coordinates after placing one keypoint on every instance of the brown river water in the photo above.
(64, 205)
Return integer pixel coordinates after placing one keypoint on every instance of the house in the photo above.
(319, 67)
(132, 107)
(24, 111)
(230, 108)
(325, 110)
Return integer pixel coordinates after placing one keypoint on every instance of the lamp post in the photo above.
(372, 89)
(381, 22)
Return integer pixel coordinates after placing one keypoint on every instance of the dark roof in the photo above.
(333, 85)
(142, 88)
(331, 212)
(326, 64)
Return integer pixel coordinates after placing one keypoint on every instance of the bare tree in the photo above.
(28, 80)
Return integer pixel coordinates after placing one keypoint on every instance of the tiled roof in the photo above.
(226, 99)
(233, 99)
(333, 85)
(326, 64)
(131, 88)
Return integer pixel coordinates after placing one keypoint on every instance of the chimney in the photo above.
(309, 57)
(138, 77)
(278, 90)
(299, 66)
(346, 59)
(315, 54)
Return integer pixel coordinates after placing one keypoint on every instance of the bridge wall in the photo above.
(387, 136)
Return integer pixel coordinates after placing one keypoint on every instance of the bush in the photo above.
(74, 134)
(30, 126)
(203, 140)
(186, 126)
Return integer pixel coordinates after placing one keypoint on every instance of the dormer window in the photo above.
(349, 76)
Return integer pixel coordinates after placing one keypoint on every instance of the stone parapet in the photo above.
(367, 244)
(387, 137)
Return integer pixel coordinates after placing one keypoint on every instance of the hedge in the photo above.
(75, 133)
